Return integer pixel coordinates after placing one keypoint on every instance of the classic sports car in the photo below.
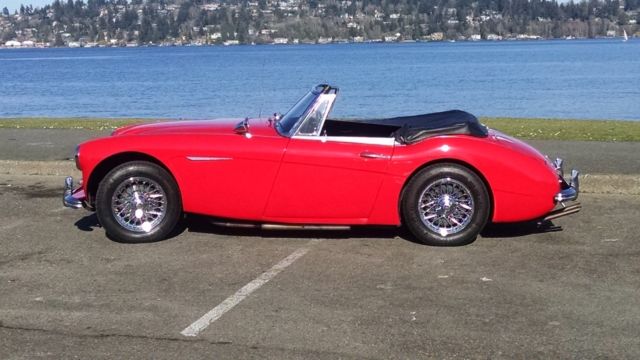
(442, 175)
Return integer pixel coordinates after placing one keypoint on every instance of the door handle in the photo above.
(372, 155)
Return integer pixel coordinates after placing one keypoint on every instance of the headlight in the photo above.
(77, 157)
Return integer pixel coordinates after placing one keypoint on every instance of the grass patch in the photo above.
(68, 123)
(536, 129)
(566, 129)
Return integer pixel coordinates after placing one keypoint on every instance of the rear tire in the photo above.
(138, 202)
(445, 205)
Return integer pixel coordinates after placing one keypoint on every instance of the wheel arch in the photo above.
(107, 164)
(447, 161)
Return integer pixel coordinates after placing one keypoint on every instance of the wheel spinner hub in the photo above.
(139, 204)
(446, 206)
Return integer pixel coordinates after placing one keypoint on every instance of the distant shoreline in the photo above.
(525, 128)
(338, 42)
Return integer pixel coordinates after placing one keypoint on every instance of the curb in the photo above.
(610, 184)
(39, 168)
(589, 183)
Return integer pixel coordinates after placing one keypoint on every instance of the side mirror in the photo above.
(273, 119)
(242, 128)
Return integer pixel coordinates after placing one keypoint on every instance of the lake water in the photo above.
(591, 79)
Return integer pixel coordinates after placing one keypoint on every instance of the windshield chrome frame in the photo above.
(320, 100)
(322, 92)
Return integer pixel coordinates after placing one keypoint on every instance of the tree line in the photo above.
(155, 21)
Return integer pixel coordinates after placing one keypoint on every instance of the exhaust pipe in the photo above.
(303, 227)
(564, 211)
(278, 226)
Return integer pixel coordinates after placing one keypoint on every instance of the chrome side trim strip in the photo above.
(208, 158)
(385, 141)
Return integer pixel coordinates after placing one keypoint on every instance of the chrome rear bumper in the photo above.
(568, 192)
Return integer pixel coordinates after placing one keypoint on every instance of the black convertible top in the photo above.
(418, 127)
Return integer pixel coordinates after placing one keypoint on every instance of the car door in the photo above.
(230, 176)
(329, 179)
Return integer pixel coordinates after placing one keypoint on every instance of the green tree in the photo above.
(145, 34)
(623, 18)
(58, 40)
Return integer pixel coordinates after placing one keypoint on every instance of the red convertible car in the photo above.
(442, 175)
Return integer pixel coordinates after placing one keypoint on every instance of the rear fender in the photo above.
(520, 181)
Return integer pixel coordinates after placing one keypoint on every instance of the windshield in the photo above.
(292, 116)
(314, 120)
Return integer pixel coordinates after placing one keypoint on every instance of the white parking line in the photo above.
(233, 300)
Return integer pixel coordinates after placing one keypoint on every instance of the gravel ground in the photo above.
(564, 290)
(519, 291)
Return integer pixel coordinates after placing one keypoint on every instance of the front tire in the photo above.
(138, 202)
(445, 205)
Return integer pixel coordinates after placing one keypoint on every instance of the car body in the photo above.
(306, 169)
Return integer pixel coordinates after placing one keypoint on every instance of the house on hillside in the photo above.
(13, 44)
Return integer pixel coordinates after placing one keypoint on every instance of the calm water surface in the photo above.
(591, 79)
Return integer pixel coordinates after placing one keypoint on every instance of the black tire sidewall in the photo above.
(426, 176)
(119, 174)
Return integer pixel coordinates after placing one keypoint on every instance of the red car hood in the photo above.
(218, 126)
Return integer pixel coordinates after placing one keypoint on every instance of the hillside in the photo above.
(198, 22)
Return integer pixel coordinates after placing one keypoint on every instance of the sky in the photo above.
(15, 4)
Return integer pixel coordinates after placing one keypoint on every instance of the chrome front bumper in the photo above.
(72, 198)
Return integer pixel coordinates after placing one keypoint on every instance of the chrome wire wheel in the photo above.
(139, 204)
(446, 206)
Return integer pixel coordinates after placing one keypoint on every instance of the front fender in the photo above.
(98, 156)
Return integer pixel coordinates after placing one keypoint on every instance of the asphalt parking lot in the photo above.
(518, 292)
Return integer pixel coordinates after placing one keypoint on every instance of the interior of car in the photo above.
(408, 129)
(357, 128)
